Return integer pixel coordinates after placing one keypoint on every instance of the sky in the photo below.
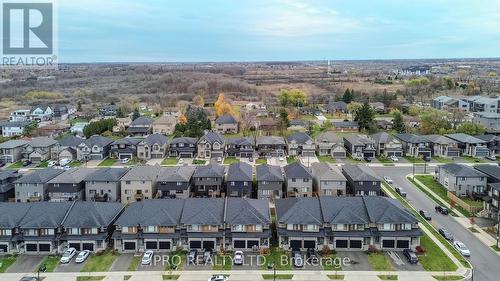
(275, 30)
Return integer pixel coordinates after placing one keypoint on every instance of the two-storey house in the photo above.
(328, 180)
(12, 215)
(40, 149)
(175, 182)
(33, 186)
(240, 147)
(12, 150)
(415, 145)
(70, 185)
(361, 180)
(142, 126)
(239, 181)
(139, 183)
(94, 148)
(329, 144)
(208, 180)
(469, 145)
(211, 145)
(226, 124)
(41, 113)
(271, 146)
(270, 182)
(124, 148)
(359, 146)
(461, 179)
(165, 125)
(298, 180)
(442, 146)
(7, 179)
(154, 146)
(183, 147)
(387, 145)
(67, 148)
(104, 184)
(301, 144)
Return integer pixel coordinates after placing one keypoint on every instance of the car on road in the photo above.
(64, 162)
(147, 258)
(68, 255)
(410, 256)
(441, 209)
(393, 158)
(207, 255)
(51, 163)
(425, 215)
(491, 157)
(298, 261)
(82, 256)
(29, 278)
(427, 159)
(311, 255)
(446, 234)
(193, 254)
(388, 179)
(218, 278)
(464, 251)
(401, 191)
(238, 258)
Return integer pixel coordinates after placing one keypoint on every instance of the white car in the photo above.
(82, 256)
(218, 278)
(281, 158)
(51, 163)
(125, 160)
(68, 255)
(64, 162)
(147, 258)
(491, 157)
(219, 159)
(238, 258)
(181, 160)
(464, 251)
(388, 179)
(394, 158)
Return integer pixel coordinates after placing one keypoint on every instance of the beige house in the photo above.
(139, 183)
(122, 124)
(154, 146)
(226, 124)
(165, 125)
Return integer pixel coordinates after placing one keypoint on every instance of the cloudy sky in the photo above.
(261, 30)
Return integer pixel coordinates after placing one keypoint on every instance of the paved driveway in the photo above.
(122, 262)
(69, 267)
(358, 260)
(25, 263)
(275, 161)
(400, 263)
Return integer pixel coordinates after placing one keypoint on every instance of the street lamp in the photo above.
(273, 267)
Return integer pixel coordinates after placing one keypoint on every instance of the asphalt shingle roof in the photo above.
(212, 137)
(159, 139)
(87, 214)
(411, 138)
(439, 139)
(270, 140)
(209, 171)
(360, 173)
(42, 142)
(207, 211)
(71, 141)
(382, 137)
(98, 140)
(127, 141)
(13, 144)
(187, 140)
(142, 173)
(358, 139)
(53, 214)
(12, 214)
(490, 170)
(40, 176)
(152, 212)
(344, 210)
(325, 171)
(239, 141)
(296, 170)
(328, 136)
(461, 170)
(176, 174)
(226, 119)
(75, 175)
(107, 174)
(142, 121)
(269, 173)
(301, 210)
(240, 171)
(461, 137)
(247, 211)
(299, 138)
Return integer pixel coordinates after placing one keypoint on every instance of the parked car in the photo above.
(410, 255)
(297, 259)
(368, 159)
(388, 179)
(238, 258)
(29, 278)
(51, 163)
(464, 251)
(427, 158)
(207, 255)
(401, 191)
(192, 256)
(181, 160)
(441, 209)
(82, 256)
(394, 158)
(68, 255)
(64, 162)
(26, 163)
(447, 235)
(425, 215)
(491, 157)
(250, 159)
(218, 278)
(281, 158)
(2, 164)
(147, 258)
(125, 160)
(311, 255)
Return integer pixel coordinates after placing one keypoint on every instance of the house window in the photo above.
(232, 183)
(74, 231)
(294, 180)
(5, 232)
(179, 183)
(150, 229)
(310, 227)
(306, 180)
(31, 232)
(125, 229)
(127, 182)
(245, 183)
(194, 228)
(237, 228)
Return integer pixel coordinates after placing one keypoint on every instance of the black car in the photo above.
(2, 164)
(311, 255)
(26, 163)
(192, 256)
(368, 159)
(425, 215)
(410, 255)
(441, 209)
(427, 158)
(401, 191)
(446, 234)
(207, 255)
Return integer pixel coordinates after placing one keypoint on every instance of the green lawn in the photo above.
(43, 164)
(16, 165)
(78, 120)
(75, 163)
(230, 160)
(495, 248)
(199, 162)
(274, 257)
(384, 160)
(354, 161)
(328, 159)
(291, 159)
(222, 262)
(107, 162)
(90, 278)
(126, 277)
(379, 262)
(278, 276)
(472, 159)
(335, 277)
(6, 262)
(176, 260)
(170, 161)
(473, 230)
(170, 277)
(50, 262)
(414, 159)
(447, 277)
(442, 159)
(387, 277)
(332, 263)
(134, 263)
(260, 161)
(100, 261)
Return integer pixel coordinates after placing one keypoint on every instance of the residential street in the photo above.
(485, 261)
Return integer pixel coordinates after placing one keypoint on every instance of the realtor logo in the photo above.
(28, 34)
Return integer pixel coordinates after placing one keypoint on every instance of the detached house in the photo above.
(491, 201)
(387, 145)
(165, 125)
(359, 146)
(69, 186)
(175, 182)
(12, 151)
(124, 148)
(271, 146)
(183, 147)
(11, 129)
(140, 127)
(301, 144)
(7, 179)
(329, 144)
(442, 146)
(269, 182)
(239, 180)
(492, 143)
(328, 180)
(298, 180)
(208, 180)
(139, 183)
(226, 124)
(469, 145)
(40, 149)
(94, 148)
(415, 145)
(41, 113)
(33, 187)
(361, 180)
(248, 224)
(67, 148)
(211, 145)
(461, 179)
(154, 146)
(240, 147)
(104, 185)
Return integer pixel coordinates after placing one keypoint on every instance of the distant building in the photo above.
(416, 70)
(20, 115)
(491, 121)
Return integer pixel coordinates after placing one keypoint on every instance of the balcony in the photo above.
(139, 197)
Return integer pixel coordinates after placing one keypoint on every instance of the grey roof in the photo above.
(208, 171)
(152, 212)
(269, 173)
(207, 211)
(490, 170)
(461, 137)
(75, 175)
(325, 171)
(127, 141)
(301, 210)
(13, 144)
(142, 121)
(53, 214)
(296, 170)
(239, 141)
(184, 140)
(328, 136)
(240, 171)
(10, 124)
(42, 142)
(7, 173)
(461, 170)
(71, 141)
(212, 137)
(387, 210)
(382, 137)
(439, 139)
(298, 122)
(344, 210)
(345, 124)
(176, 174)
(153, 139)
(226, 119)
(40, 176)
(98, 140)
(87, 214)
(488, 138)
(107, 174)
(411, 138)
(142, 173)
(247, 211)
(12, 213)
(270, 140)
(299, 138)
(360, 173)
(358, 139)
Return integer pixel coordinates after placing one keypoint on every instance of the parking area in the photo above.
(72, 266)
(275, 161)
(250, 262)
(400, 263)
(25, 263)
(122, 262)
(358, 260)
(159, 263)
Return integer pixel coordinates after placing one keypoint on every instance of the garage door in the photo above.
(239, 244)
(4, 248)
(208, 245)
(164, 245)
(75, 245)
(388, 243)
(309, 244)
(338, 155)
(295, 244)
(252, 243)
(151, 245)
(129, 246)
(185, 155)
(402, 244)
(341, 244)
(43, 247)
(31, 247)
(123, 156)
(36, 159)
(195, 244)
(88, 246)
(355, 244)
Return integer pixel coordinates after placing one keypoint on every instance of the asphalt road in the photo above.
(486, 263)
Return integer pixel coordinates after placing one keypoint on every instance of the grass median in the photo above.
(100, 262)
(6, 262)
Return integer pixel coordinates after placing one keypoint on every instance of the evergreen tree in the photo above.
(136, 114)
(398, 123)
(364, 116)
(348, 96)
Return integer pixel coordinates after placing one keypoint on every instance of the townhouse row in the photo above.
(340, 223)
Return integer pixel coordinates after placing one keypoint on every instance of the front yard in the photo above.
(50, 262)
(199, 162)
(231, 160)
(170, 161)
(274, 258)
(414, 159)
(380, 262)
(291, 159)
(443, 159)
(327, 159)
(16, 165)
(222, 262)
(260, 161)
(6, 262)
(107, 162)
(100, 261)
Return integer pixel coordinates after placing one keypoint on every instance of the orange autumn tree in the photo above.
(222, 106)
(182, 119)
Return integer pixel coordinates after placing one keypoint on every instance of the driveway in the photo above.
(122, 262)
(307, 161)
(69, 267)
(153, 162)
(275, 161)
(249, 262)
(358, 260)
(400, 263)
(25, 263)
(159, 262)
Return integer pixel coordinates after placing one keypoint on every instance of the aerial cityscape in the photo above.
(299, 140)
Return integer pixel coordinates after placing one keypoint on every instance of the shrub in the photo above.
(420, 250)
(325, 251)
(264, 251)
(372, 249)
